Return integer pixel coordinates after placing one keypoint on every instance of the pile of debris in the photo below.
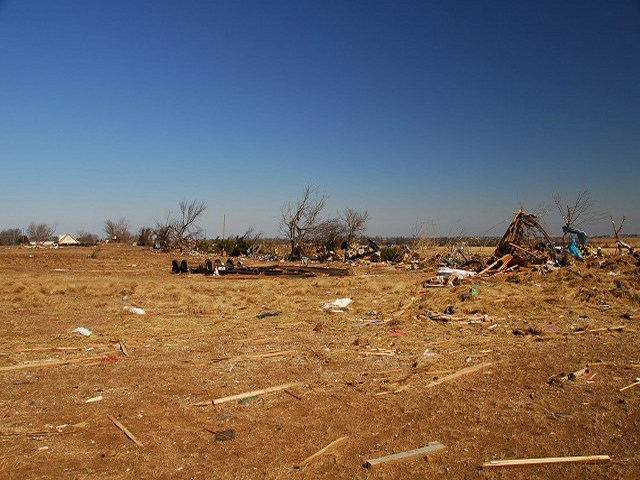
(217, 268)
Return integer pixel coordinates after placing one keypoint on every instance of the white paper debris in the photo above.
(337, 306)
(135, 310)
(83, 331)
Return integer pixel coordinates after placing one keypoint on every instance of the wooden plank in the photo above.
(123, 348)
(50, 349)
(125, 430)
(54, 363)
(430, 448)
(254, 356)
(322, 451)
(546, 461)
(630, 386)
(253, 393)
(458, 374)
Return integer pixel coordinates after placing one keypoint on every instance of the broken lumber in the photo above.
(49, 349)
(253, 356)
(55, 363)
(253, 393)
(546, 461)
(125, 430)
(430, 448)
(123, 348)
(458, 374)
(637, 382)
(322, 451)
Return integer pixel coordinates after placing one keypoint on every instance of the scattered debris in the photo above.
(82, 331)
(322, 451)
(217, 268)
(94, 399)
(432, 447)
(458, 374)
(125, 430)
(545, 461)
(54, 363)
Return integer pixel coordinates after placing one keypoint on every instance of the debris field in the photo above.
(111, 366)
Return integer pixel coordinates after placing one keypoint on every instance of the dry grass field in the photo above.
(362, 374)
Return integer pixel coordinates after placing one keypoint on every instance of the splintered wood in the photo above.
(322, 451)
(54, 363)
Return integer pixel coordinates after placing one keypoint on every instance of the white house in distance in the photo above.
(67, 239)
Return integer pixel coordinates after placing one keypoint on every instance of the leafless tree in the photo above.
(39, 232)
(86, 237)
(145, 237)
(299, 219)
(326, 234)
(581, 212)
(118, 231)
(10, 236)
(185, 226)
(354, 222)
(178, 231)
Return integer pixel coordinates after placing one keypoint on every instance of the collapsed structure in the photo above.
(526, 241)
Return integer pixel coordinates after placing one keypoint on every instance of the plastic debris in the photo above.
(446, 271)
(83, 331)
(337, 306)
(136, 310)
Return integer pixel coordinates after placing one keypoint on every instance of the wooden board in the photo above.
(430, 448)
(546, 461)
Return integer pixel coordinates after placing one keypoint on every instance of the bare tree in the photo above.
(354, 223)
(40, 232)
(118, 231)
(581, 212)
(326, 235)
(178, 231)
(145, 237)
(10, 236)
(86, 237)
(299, 219)
(184, 226)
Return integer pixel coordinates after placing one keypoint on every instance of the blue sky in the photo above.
(455, 113)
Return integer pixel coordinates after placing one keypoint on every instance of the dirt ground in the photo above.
(368, 374)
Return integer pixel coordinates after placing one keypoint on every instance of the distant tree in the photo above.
(300, 218)
(354, 222)
(180, 231)
(86, 237)
(118, 231)
(145, 237)
(40, 232)
(10, 236)
(327, 234)
(185, 225)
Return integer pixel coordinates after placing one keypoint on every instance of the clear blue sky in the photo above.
(455, 112)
